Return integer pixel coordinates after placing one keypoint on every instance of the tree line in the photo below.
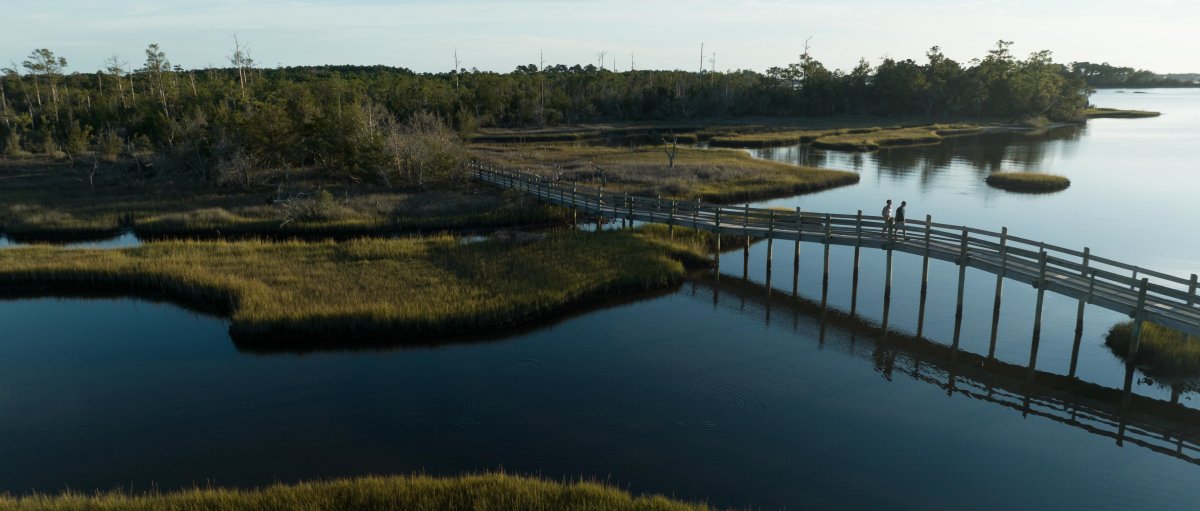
(231, 123)
(1109, 76)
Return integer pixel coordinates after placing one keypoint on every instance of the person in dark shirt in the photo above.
(899, 221)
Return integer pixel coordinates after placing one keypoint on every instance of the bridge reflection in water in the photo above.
(1164, 427)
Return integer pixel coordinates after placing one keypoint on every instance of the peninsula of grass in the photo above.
(417, 493)
(48, 199)
(1162, 351)
(1028, 182)
(1117, 113)
(716, 175)
(398, 289)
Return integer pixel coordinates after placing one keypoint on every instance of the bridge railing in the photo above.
(1116, 285)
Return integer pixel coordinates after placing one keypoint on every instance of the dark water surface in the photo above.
(715, 391)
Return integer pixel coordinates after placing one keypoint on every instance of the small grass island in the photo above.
(486, 491)
(1028, 182)
(1117, 113)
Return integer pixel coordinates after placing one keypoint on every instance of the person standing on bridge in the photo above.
(899, 223)
(887, 219)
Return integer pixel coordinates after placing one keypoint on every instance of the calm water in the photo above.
(711, 391)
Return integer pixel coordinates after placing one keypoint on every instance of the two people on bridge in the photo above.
(890, 222)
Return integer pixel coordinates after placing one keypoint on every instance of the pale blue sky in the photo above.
(1160, 35)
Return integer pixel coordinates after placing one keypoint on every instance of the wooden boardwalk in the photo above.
(1140, 293)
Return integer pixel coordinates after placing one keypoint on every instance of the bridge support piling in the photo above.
(887, 282)
(1075, 345)
(796, 257)
(717, 241)
(1135, 336)
(825, 269)
(770, 249)
(925, 262)
(746, 260)
(962, 278)
(1037, 313)
(857, 250)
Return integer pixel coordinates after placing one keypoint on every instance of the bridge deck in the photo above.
(1137, 292)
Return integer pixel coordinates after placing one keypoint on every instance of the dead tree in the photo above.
(671, 148)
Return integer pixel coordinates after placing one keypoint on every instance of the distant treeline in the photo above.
(345, 118)
(1108, 76)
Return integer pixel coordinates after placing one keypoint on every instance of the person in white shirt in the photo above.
(887, 219)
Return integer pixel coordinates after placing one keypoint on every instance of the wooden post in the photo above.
(746, 258)
(574, 207)
(696, 215)
(671, 222)
(962, 276)
(887, 283)
(857, 257)
(717, 243)
(770, 249)
(925, 262)
(1037, 314)
(796, 257)
(745, 219)
(1087, 256)
(1078, 340)
(599, 208)
(1192, 291)
(825, 271)
(1135, 337)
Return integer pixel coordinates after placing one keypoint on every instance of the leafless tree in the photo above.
(671, 148)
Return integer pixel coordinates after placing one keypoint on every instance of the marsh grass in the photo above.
(720, 175)
(1117, 113)
(891, 137)
(51, 199)
(418, 493)
(363, 288)
(1162, 351)
(1028, 182)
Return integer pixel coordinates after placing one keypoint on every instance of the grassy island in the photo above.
(467, 493)
(1163, 351)
(718, 175)
(1117, 113)
(1028, 182)
(364, 288)
(871, 140)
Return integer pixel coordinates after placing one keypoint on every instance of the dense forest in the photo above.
(1105, 75)
(227, 123)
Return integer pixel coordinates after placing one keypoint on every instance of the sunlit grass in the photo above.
(400, 287)
(872, 140)
(467, 493)
(1117, 113)
(1028, 181)
(1161, 349)
(45, 198)
(720, 175)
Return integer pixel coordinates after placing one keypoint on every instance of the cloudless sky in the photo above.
(1160, 35)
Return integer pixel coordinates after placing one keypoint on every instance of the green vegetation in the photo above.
(1109, 76)
(42, 198)
(1028, 182)
(721, 175)
(355, 122)
(1116, 113)
(1162, 351)
(870, 140)
(365, 287)
(466, 493)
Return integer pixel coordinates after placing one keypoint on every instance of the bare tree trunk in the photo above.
(4, 107)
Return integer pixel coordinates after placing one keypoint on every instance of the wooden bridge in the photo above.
(1140, 293)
